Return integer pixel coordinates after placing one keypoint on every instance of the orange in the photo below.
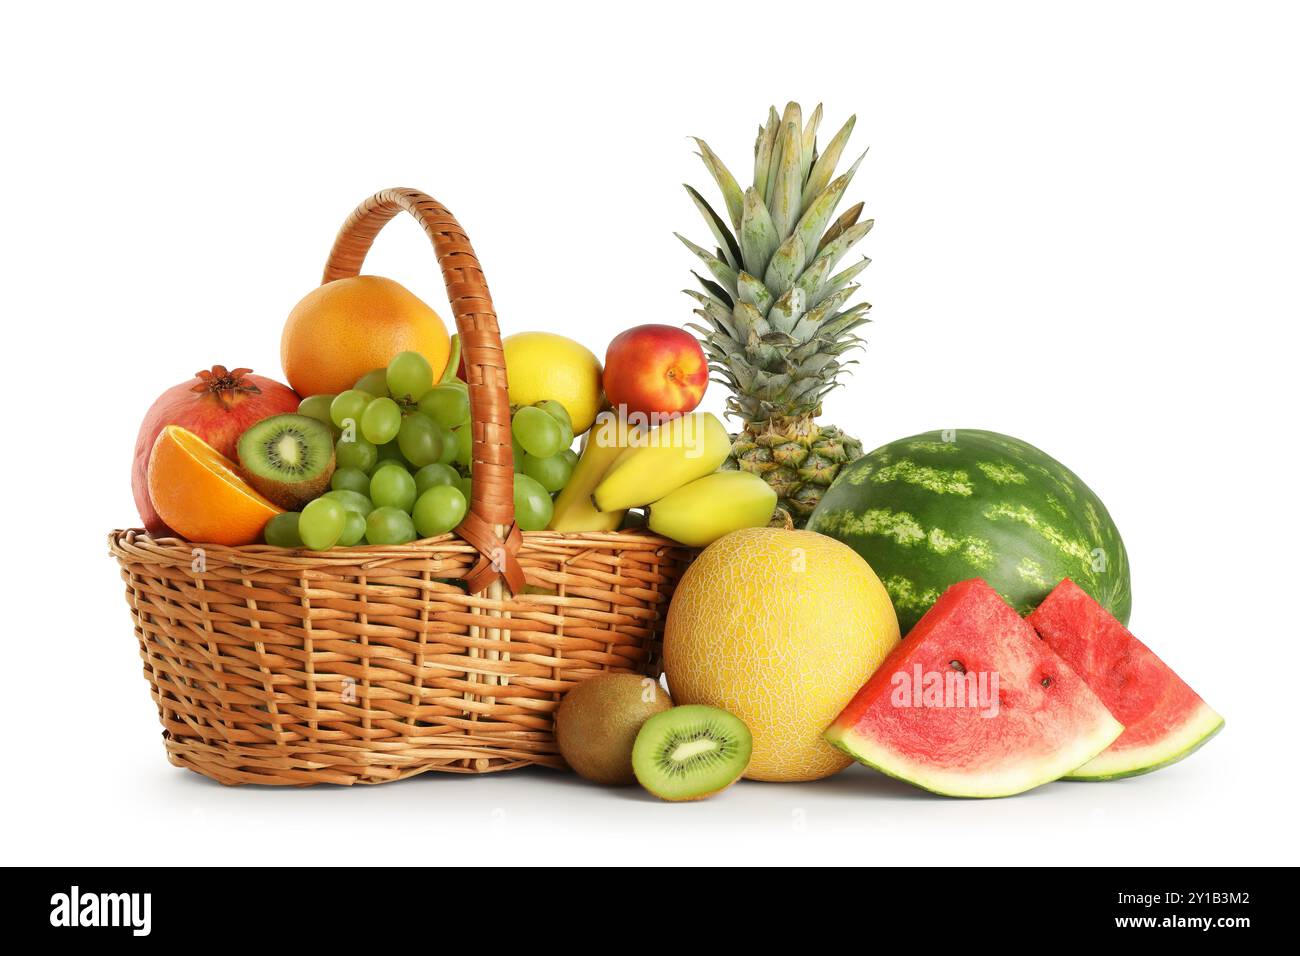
(348, 327)
(198, 492)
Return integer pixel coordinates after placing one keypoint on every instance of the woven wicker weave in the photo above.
(369, 664)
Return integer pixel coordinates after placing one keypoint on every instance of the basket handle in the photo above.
(489, 526)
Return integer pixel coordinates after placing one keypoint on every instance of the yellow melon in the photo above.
(780, 628)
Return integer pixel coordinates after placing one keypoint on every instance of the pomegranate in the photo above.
(217, 405)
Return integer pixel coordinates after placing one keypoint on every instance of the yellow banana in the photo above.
(699, 513)
(678, 451)
(573, 508)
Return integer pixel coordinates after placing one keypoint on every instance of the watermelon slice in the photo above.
(1164, 719)
(1016, 715)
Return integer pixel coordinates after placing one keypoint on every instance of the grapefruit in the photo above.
(542, 365)
(346, 328)
(200, 493)
(779, 628)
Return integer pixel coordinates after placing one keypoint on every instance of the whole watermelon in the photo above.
(938, 508)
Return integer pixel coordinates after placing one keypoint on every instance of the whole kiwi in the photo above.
(597, 723)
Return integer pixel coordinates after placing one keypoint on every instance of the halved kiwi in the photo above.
(288, 458)
(691, 752)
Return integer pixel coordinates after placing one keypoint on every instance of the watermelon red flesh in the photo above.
(1164, 719)
(1047, 722)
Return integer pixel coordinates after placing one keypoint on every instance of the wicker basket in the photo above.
(369, 664)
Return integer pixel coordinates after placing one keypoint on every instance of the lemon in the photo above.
(542, 365)
(780, 628)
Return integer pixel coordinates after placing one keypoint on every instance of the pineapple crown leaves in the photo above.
(776, 323)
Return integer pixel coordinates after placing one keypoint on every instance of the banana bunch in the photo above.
(672, 471)
(605, 444)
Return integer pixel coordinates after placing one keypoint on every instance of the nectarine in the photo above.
(655, 369)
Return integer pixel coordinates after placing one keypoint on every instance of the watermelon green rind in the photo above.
(1006, 784)
(1191, 737)
(945, 506)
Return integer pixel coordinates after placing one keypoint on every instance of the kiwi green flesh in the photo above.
(691, 752)
(288, 458)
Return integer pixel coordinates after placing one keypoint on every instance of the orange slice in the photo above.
(198, 491)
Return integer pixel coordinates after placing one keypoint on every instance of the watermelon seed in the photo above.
(958, 666)
(1047, 682)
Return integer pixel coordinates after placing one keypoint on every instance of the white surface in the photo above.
(1086, 238)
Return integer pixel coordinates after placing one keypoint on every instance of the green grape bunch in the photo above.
(403, 456)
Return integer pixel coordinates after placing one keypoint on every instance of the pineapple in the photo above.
(778, 323)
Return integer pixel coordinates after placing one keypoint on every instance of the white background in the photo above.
(1087, 238)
